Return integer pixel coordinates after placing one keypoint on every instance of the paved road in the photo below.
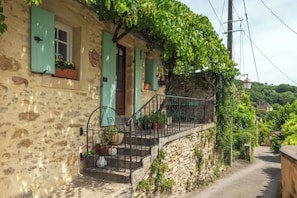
(258, 180)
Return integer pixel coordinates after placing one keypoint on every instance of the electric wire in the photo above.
(248, 26)
(242, 51)
(220, 21)
(235, 11)
(271, 61)
(279, 18)
(222, 16)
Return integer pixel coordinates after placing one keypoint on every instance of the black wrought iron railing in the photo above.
(172, 114)
(161, 116)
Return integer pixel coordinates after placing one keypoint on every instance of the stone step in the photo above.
(110, 175)
(141, 140)
(123, 161)
(116, 162)
(136, 150)
(118, 166)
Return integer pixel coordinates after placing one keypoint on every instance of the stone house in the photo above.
(41, 113)
(264, 107)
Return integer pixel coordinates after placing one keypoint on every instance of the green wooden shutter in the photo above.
(42, 41)
(137, 80)
(108, 90)
(151, 73)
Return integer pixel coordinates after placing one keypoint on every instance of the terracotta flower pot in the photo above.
(66, 73)
(102, 149)
(147, 86)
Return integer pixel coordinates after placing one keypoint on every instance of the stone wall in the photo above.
(41, 115)
(192, 162)
(289, 171)
(194, 85)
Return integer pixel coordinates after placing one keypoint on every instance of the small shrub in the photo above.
(276, 142)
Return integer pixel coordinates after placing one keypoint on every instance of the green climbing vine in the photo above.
(3, 26)
(157, 182)
(199, 157)
(225, 105)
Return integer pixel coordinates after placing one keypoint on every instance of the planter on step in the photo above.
(112, 151)
(117, 138)
(156, 126)
(102, 149)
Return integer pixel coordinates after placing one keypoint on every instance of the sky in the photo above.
(272, 58)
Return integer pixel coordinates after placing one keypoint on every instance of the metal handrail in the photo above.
(171, 115)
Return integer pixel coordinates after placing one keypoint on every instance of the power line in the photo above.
(272, 62)
(235, 11)
(247, 22)
(219, 20)
(278, 18)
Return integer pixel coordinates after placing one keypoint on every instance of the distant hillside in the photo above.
(280, 94)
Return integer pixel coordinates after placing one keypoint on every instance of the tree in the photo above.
(244, 124)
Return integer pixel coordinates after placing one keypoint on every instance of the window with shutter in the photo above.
(137, 79)
(151, 73)
(42, 41)
(63, 41)
(51, 45)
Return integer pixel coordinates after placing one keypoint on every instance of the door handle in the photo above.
(37, 38)
(104, 79)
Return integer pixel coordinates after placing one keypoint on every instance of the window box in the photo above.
(66, 73)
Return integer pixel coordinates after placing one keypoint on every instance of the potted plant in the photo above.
(65, 69)
(147, 86)
(145, 122)
(102, 145)
(115, 134)
(159, 119)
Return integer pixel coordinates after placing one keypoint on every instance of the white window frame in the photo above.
(68, 30)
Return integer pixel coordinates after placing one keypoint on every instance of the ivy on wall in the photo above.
(157, 182)
(3, 26)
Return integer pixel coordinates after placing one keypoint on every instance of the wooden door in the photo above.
(121, 78)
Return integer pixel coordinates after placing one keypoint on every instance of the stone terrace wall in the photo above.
(192, 162)
(41, 115)
(194, 85)
(289, 171)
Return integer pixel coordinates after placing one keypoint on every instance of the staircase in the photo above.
(131, 159)
(118, 166)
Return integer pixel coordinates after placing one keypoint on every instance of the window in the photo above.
(151, 73)
(63, 42)
(50, 40)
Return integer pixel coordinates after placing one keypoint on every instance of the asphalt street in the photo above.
(258, 180)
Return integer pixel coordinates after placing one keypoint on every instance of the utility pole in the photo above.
(230, 28)
(229, 47)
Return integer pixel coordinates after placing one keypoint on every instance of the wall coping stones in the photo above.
(289, 151)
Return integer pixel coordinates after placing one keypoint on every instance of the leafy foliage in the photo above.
(157, 179)
(3, 26)
(263, 132)
(284, 119)
(225, 105)
(273, 94)
(187, 41)
(244, 124)
(289, 130)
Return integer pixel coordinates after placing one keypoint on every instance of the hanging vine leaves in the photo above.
(3, 26)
